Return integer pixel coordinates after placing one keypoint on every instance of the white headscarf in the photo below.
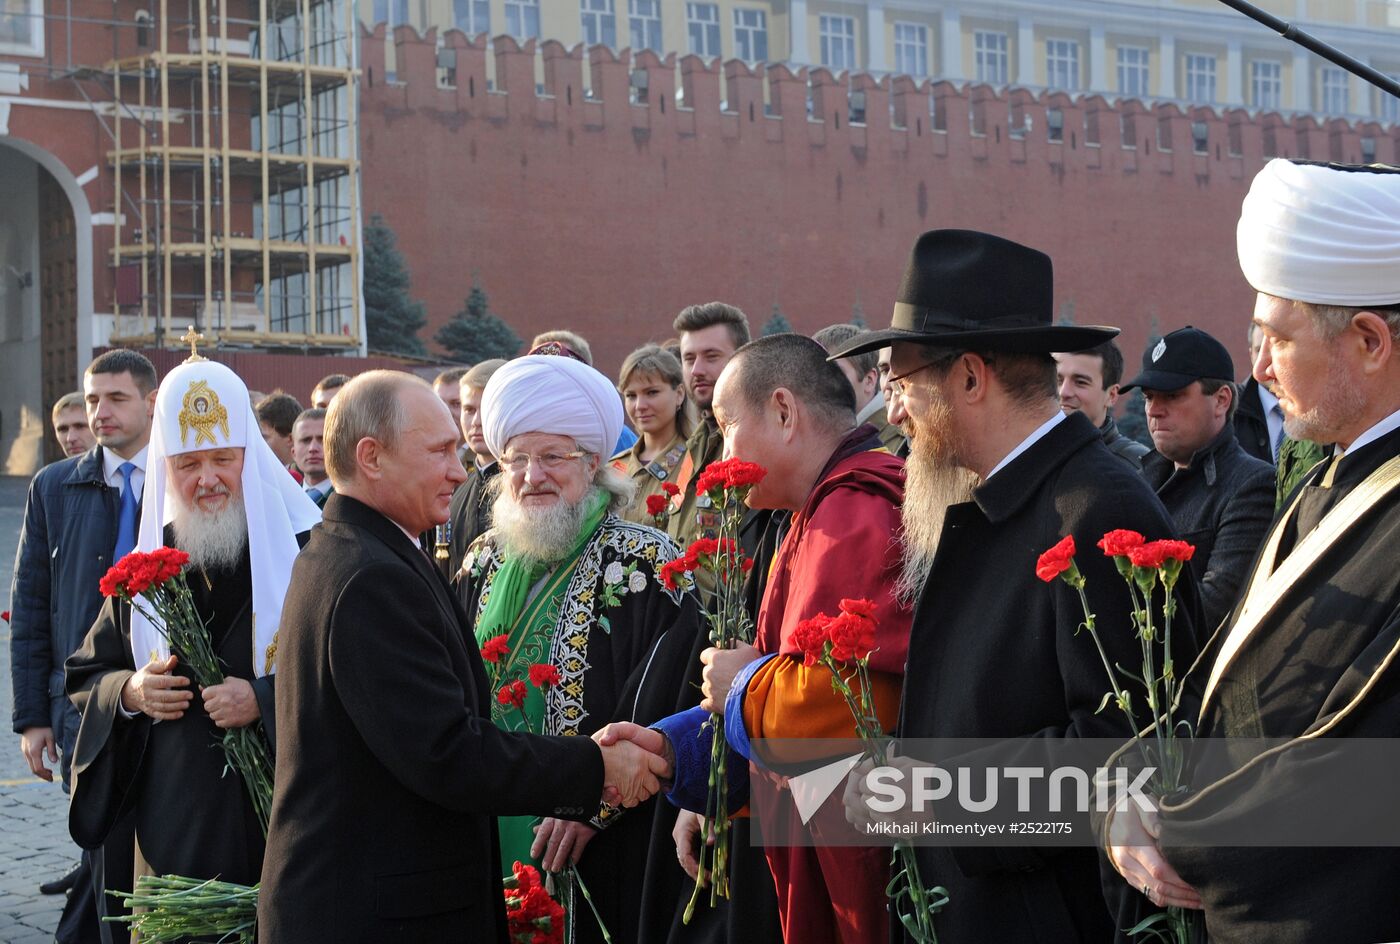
(1322, 235)
(541, 393)
(204, 405)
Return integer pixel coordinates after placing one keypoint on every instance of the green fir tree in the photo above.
(1133, 422)
(475, 335)
(777, 323)
(392, 317)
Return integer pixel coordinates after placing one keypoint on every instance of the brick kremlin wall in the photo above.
(582, 208)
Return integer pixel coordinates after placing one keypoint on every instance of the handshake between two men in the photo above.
(637, 764)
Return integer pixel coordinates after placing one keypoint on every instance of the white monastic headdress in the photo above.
(1323, 234)
(542, 393)
(204, 405)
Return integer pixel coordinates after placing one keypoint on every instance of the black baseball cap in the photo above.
(1182, 357)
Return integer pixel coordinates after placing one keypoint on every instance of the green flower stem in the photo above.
(1118, 691)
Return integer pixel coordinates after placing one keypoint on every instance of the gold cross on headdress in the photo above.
(192, 338)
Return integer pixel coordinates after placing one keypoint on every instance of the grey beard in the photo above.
(538, 535)
(214, 540)
(930, 487)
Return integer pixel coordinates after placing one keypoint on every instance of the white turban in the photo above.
(1323, 235)
(540, 393)
(204, 405)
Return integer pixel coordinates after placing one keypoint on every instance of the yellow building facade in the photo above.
(1198, 52)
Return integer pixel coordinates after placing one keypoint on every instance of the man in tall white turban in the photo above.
(1308, 655)
(572, 586)
(148, 742)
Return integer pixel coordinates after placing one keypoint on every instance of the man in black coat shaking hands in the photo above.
(389, 771)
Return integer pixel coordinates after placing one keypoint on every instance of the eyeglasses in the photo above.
(896, 381)
(551, 461)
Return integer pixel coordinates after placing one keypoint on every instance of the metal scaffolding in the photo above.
(236, 180)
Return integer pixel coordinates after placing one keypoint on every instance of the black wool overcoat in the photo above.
(995, 653)
(389, 771)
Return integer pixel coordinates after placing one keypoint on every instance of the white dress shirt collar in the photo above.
(112, 474)
(1036, 435)
(1387, 425)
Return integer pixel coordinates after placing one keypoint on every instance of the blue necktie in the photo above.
(1278, 440)
(126, 518)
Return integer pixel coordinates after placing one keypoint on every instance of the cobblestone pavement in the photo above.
(34, 843)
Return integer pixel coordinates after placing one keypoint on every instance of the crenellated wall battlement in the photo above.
(598, 88)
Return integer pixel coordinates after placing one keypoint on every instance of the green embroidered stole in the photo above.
(530, 633)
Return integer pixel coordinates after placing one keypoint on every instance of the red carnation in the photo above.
(1118, 543)
(672, 569)
(671, 488)
(1150, 555)
(495, 648)
(513, 694)
(1057, 560)
(862, 608)
(656, 505)
(702, 547)
(852, 637)
(746, 564)
(810, 637)
(729, 474)
(526, 876)
(5, 615)
(1177, 550)
(543, 675)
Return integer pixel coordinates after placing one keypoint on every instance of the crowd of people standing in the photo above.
(446, 604)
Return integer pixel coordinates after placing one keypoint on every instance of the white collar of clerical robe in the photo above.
(1036, 436)
(1268, 584)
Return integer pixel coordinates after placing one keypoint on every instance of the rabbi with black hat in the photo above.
(997, 474)
(1221, 497)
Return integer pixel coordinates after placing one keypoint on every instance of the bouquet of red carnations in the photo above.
(1147, 566)
(174, 907)
(726, 484)
(843, 644)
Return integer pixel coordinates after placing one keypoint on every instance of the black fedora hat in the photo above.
(974, 290)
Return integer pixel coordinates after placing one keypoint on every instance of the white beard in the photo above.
(933, 482)
(215, 540)
(537, 534)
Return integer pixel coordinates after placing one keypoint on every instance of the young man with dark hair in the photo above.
(324, 392)
(710, 334)
(276, 413)
(308, 449)
(1088, 382)
(80, 517)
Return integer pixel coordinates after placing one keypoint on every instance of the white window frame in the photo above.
(31, 15)
(1200, 78)
(1266, 84)
(911, 55)
(644, 24)
(1134, 75)
(477, 10)
(992, 60)
(749, 35)
(838, 41)
(523, 18)
(1334, 86)
(1062, 64)
(702, 29)
(598, 18)
(1388, 106)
